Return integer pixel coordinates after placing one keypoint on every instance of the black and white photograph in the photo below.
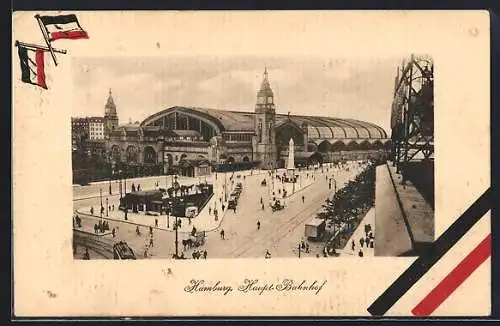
(200, 157)
(251, 163)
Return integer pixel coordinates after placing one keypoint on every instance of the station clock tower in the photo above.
(265, 121)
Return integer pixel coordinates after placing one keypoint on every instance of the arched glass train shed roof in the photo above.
(317, 127)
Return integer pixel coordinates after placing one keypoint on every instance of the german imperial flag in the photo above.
(63, 27)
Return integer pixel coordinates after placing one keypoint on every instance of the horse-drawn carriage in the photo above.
(276, 205)
(194, 240)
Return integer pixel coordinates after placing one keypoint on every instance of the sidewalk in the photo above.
(358, 234)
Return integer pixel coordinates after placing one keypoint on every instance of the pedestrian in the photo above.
(109, 208)
(137, 231)
(353, 244)
(361, 241)
(138, 187)
(156, 222)
(194, 254)
(234, 209)
(268, 254)
(113, 232)
(126, 212)
(222, 234)
(216, 215)
(223, 207)
(210, 211)
(91, 210)
(205, 254)
(95, 228)
(133, 187)
(151, 230)
(367, 241)
(360, 253)
(86, 255)
(307, 247)
(113, 207)
(261, 201)
(372, 244)
(262, 206)
(151, 242)
(258, 225)
(303, 198)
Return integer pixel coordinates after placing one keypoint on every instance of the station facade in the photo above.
(191, 140)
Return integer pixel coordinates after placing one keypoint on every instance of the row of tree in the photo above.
(347, 203)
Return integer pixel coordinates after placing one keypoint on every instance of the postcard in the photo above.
(251, 163)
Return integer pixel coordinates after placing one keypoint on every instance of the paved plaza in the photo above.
(280, 232)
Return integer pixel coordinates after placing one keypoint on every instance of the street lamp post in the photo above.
(125, 182)
(100, 195)
(176, 238)
(110, 185)
(120, 178)
(225, 186)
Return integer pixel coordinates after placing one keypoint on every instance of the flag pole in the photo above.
(36, 47)
(46, 37)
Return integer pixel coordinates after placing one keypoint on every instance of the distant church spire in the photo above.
(110, 107)
(265, 87)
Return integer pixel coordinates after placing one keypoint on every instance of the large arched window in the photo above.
(324, 147)
(312, 147)
(287, 131)
(132, 154)
(365, 145)
(352, 146)
(149, 155)
(338, 146)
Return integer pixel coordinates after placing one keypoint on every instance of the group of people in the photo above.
(367, 240)
(78, 221)
(101, 227)
(138, 187)
(197, 254)
(216, 213)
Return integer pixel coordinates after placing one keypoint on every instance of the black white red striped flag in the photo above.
(63, 27)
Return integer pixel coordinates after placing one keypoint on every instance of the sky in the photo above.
(337, 87)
